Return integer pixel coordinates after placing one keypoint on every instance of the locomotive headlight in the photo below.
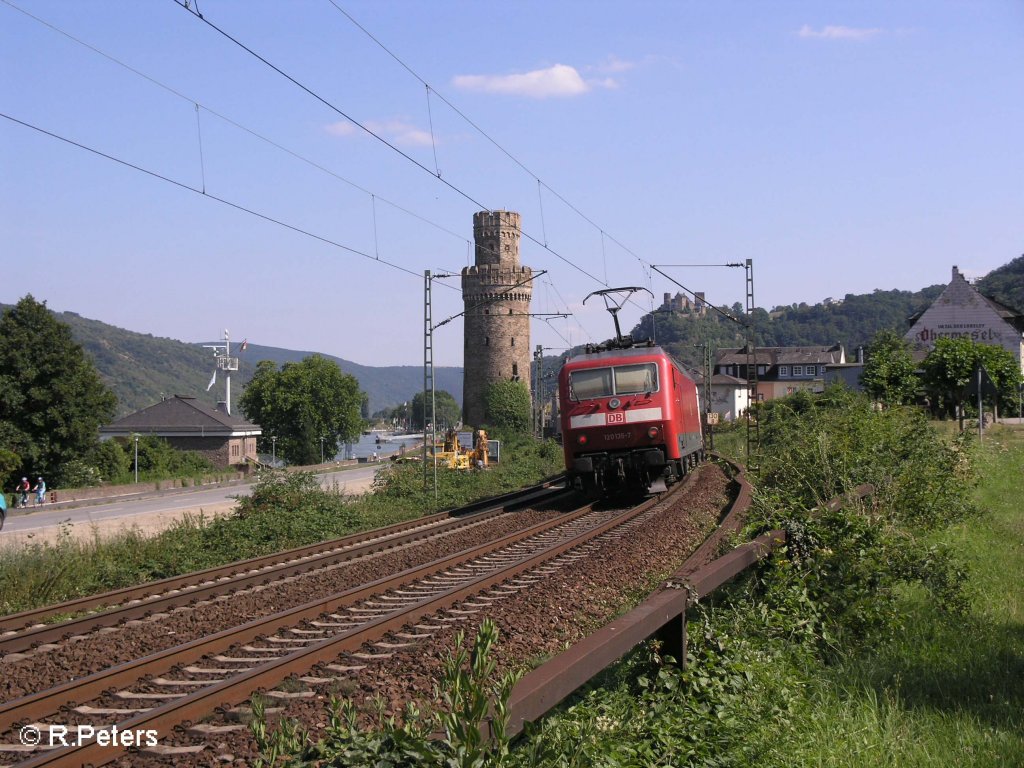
(582, 439)
(614, 403)
(652, 432)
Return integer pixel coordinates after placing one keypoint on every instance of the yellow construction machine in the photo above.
(451, 454)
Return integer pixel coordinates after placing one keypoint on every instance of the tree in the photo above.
(449, 413)
(888, 375)
(52, 400)
(302, 403)
(950, 372)
(507, 405)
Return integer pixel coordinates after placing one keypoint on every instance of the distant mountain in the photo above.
(141, 368)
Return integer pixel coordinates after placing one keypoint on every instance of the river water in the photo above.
(387, 445)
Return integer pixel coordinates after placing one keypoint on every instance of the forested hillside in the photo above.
(1006, 284)
(852, 321)
(141, 368)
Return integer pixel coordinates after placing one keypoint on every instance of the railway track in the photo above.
(28, 630)
(317, 645)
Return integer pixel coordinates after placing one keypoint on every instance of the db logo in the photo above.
(616, 418)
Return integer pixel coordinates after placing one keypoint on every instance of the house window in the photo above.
(783, 370)
(798, 370)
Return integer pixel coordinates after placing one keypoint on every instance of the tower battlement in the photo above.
(496, 234)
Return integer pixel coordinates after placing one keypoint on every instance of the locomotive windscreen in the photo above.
(589, 383)
(632, 379)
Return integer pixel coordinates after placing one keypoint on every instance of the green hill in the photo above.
(1006, 284)
(141, 368)
(853, 321)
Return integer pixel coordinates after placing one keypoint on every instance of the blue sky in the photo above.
(843, 146)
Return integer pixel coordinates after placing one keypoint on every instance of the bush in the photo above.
(850, 562)
(508, 406)
(110, 460)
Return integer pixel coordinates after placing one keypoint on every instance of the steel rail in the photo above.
(240, 687)
(139, 601)
(47, 702)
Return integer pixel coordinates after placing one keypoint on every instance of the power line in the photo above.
(201, 193)
(370, 132)
(489, 138)
(255, 134)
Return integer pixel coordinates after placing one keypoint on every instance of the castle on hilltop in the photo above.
(496, 292)
(680, 303)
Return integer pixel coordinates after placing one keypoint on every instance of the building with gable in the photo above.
(189, 425)
(781, 371)
(961, 311)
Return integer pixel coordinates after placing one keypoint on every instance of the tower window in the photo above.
(515, 372)
(513, 341)
(487, 341)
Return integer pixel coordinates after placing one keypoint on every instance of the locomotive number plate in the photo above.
(616, 418)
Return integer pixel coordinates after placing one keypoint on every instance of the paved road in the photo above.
(166, 506)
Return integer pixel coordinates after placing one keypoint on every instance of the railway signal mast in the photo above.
(223, 362)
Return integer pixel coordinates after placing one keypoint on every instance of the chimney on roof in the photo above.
(956, 273)
(222, 406)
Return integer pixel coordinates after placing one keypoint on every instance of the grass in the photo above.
(945, 690)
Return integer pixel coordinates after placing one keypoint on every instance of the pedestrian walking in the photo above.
(40, 490)
(23, 489)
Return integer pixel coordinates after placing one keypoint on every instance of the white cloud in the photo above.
(839, 33)
(556, 81)
(398, 132)
(342, 128)
(614, 65)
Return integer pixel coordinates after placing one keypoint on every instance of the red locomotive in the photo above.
(630, 417)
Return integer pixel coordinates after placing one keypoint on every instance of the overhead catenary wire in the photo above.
(645, 265)
(209, 196)
(199, 136)
(476, 127)
(234, 123)
(197, 105)
(366, 129)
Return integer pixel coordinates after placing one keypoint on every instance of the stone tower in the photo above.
(496, 292)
